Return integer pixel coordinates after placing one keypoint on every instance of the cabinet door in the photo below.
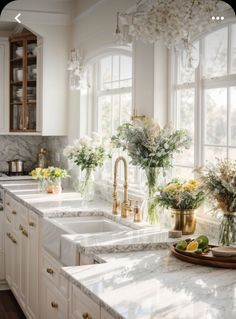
(33, 267)
(105, 314)
(23, 257)
(2, 267)
(12, 258)
(8, 254)
(4, 79)
(81, 305)
(54, 305)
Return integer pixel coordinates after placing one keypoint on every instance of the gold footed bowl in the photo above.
(184, 220)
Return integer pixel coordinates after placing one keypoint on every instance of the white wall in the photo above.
(93, 32)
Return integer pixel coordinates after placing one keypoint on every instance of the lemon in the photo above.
(203, 241)
(192, 246)
(182, 245)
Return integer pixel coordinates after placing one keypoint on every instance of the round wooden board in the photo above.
(204, 259)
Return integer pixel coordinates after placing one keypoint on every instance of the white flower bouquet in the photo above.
(88, 154)
(151, 148)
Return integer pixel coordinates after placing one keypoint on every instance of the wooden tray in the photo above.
(204, 259)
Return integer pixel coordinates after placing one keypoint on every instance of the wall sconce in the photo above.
(77, 72)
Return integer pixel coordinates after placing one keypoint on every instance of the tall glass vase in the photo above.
(86, 185)
(228, 229)
(152, 174)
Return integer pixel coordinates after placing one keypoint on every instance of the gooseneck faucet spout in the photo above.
(124, 206)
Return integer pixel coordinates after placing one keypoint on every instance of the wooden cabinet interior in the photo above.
(23, 82)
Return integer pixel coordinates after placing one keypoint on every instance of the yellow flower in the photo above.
(172, 187)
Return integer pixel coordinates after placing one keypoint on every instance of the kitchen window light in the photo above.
(111, 106)
(205, 100)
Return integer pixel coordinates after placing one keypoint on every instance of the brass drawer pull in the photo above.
(85, 315)
(21, 227)
(11, 238)
(50, 271)
(13, 212)
(54, 305)
(24, 232)
(32, 224)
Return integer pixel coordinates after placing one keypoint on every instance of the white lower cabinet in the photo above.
(33, 267)
(54, 289)
(2, 264)
(22, 255)
(81, 306)
(54, 304)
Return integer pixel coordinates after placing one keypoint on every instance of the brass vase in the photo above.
(184, 220)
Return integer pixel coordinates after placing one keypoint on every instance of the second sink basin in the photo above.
(90, 224)
(53, 228)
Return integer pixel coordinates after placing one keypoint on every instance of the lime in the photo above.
(192, 246)
(182, 245)
(198, 251)
(203, 242)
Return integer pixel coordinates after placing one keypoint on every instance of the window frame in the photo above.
(199, 85)
(136, 190)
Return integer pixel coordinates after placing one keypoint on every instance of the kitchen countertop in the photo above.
(69, 203)
(147, 284)
(154, 284)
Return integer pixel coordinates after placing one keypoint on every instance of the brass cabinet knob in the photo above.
(54, 305)
(86, 315)
(8, 204)
(21, 227)
(32, 224)
(13, 212)
(50, 271)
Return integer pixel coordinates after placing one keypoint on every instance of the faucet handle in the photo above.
(137, 213)
(130, 205)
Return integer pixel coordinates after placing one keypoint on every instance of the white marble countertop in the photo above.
(154, 284)
(51, 205)
(148, 284)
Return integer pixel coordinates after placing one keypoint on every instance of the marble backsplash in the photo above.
(27, 147)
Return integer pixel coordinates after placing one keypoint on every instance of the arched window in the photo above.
(109, 102)
(205, 99)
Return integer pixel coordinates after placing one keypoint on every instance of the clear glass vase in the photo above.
(227, 235)
(42, 184)
(152, 174)
(86, 185)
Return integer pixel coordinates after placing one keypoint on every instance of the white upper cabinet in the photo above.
(4, 85)
(52, 79)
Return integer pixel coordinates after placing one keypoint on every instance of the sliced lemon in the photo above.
(192, 246)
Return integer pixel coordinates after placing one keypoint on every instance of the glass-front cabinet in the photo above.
(23, 82)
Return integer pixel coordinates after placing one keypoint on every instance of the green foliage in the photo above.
(219, 182)
(149, 145)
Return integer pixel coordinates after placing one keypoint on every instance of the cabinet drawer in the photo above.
(81, 305)
(54, 305)
(51, 270)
